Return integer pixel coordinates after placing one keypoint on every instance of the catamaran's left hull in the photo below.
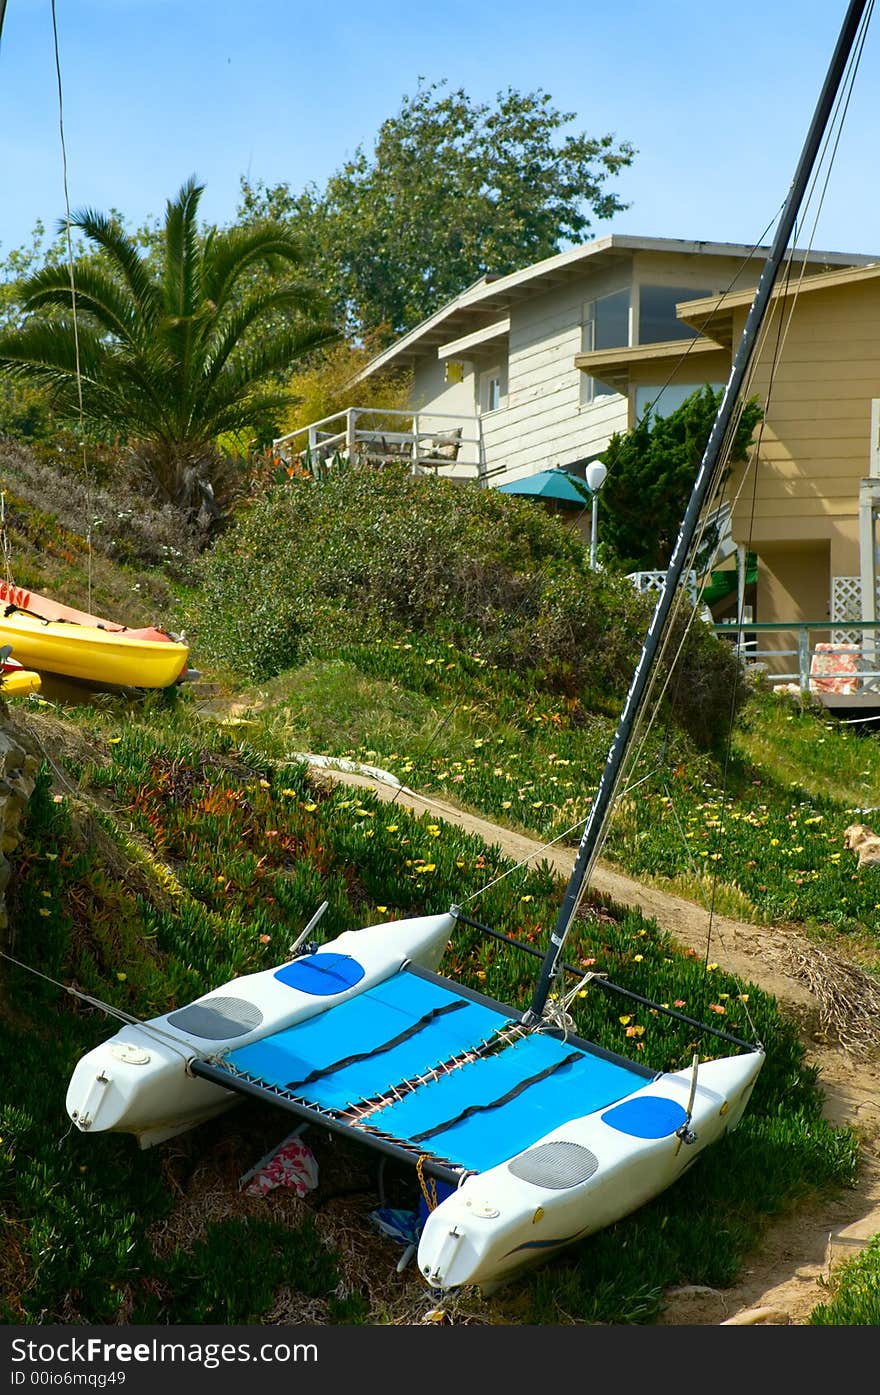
(138, 1081)
(580, 1178)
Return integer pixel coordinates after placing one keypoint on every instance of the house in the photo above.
(539, 368)
(498, 361)
(809, 510)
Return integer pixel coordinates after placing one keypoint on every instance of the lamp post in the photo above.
(595, 479)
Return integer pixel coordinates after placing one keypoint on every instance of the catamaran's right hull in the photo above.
(581, 1177)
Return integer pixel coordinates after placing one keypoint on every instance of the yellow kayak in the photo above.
(18, 682)
(97, 655)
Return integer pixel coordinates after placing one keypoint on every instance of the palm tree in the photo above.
(169, 353)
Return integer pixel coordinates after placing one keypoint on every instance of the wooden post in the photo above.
(804, 659)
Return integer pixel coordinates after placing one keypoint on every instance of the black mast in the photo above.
(705, 476)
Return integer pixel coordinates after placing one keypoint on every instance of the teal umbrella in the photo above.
(551, 484)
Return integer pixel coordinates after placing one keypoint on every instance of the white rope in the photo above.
(119, 1013)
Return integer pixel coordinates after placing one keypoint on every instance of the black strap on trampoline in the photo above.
(418, 1026)
(503, 1099)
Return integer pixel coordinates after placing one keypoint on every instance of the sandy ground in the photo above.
(788, 1277)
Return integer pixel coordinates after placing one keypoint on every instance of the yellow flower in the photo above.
(506, 803)
(710, 967)
(122, 977)
(526, 898)
(115, 740)
(383, 909)
(310, 808)
(288, 791)
(434, 830)
(638, 958)
(624, 1021)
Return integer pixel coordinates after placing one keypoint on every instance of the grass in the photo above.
(164, 853)
(759, 846)
(236, 852)
(855, 1292)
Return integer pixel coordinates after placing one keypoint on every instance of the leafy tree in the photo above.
(454, 189)
(25, 410)
(322, 386)
(171, 351)
(651, 471)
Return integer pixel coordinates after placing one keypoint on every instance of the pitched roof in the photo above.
(491, 297)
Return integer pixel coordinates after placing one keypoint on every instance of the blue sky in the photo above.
(715, 96)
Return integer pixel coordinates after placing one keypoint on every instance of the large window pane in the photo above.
(606, 326)
(657, 320)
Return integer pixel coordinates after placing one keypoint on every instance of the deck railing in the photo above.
(429, 441)
(845, 664)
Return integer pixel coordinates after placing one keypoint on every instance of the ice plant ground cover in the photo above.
(165, 852)
(762, 834)
(185, 853)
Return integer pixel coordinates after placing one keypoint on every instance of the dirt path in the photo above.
(788, 1277)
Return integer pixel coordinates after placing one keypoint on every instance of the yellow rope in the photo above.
(429, 1187)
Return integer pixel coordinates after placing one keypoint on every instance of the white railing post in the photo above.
(415, 443)
(804, 660)
(351, 417)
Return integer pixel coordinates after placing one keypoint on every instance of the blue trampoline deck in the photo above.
(419, 1063)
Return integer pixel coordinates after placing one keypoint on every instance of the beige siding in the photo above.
(814, 450)
(815, 441)
(542, 421)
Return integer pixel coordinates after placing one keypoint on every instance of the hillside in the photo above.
(174, 842)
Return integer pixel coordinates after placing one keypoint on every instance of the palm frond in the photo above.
(233, 251)
(180, 278)
(123, 254)
(97, 294)
(229, 333)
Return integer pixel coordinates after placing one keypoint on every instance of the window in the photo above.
(663, 401)
(490, 390)
(657, 318)
(605, 326)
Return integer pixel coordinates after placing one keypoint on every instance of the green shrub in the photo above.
(363, 557)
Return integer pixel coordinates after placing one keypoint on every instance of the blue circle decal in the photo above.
(321, 974)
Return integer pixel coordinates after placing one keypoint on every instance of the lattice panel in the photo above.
(653, 581)
(846, 604)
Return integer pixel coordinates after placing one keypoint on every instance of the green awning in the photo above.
(724, 583)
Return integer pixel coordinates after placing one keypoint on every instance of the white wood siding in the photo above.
(542, 421)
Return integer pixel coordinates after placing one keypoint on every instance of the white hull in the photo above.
(498, 1222)
(138, 1081)
(579, 1177)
